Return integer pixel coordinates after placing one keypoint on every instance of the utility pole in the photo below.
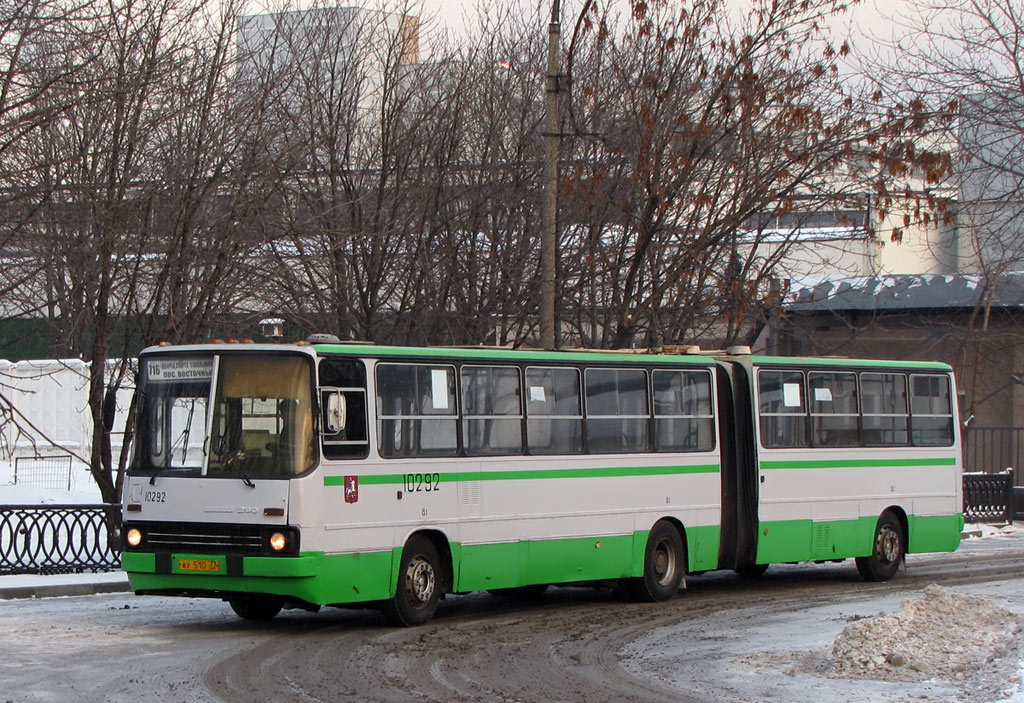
(549, 211)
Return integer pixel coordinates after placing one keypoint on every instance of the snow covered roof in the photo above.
(903, 292)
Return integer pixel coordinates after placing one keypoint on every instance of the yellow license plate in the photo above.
(198, 565)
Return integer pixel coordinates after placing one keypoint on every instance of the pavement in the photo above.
(40, 586)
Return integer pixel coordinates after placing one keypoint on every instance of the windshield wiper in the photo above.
(246, 480)
(236, 463)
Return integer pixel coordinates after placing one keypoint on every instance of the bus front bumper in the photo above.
(312, 577)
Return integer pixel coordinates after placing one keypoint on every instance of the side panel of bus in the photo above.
(506, 521)
(821, 502)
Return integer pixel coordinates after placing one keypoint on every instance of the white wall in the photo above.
(50, 415)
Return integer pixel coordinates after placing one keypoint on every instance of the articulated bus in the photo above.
(298, 476)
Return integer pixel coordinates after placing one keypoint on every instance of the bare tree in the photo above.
(496, 194)
(953, 74)
(370, 239)
(150, 194)
(45, 47)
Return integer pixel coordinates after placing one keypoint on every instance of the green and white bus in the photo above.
(283, 476)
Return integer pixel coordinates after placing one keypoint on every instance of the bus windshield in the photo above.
(242, 415)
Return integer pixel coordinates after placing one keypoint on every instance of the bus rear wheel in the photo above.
(887, 551)
(664, 567)
(256, 608)
(419, 585)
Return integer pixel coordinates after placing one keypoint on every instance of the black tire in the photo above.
(887, 551)
(419, 585)
(520, 593)
(752, 572)
(664, 566)
(256, 608)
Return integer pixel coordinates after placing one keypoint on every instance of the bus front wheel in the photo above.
(887, 551)
(664, 566)
(256, 609)
(419, 584)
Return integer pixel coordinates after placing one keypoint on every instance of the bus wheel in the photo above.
(256, 609)
(663, 566)
(419, 585)
(888, 550)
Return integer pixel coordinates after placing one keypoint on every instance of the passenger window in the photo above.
(618, 413)
(554, 412)
(834, 411)
(416, 411)
(883, 409)
(348, 377)
(931, 413)
(683, 415)
(492, 410)
(782, 408)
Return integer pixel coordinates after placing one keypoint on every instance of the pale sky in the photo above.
(865, 14)
(451, 13)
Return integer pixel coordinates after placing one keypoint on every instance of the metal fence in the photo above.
(46, 472)
(993, 466)
(988, 497)
(993, 449)
(59, 539)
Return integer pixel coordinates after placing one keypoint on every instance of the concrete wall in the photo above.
(48, 413)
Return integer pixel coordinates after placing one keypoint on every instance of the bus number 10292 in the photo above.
(422, 482)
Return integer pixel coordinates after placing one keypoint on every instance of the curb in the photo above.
(970, 531)
(69, 589)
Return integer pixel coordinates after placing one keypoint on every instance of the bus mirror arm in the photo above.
(337, 411)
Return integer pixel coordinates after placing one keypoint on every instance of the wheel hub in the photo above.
(888, 544)
(420, 580)
(664, 563)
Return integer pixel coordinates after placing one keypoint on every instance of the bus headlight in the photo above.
(133, 537)
(278, 541)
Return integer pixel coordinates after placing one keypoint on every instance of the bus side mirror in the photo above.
(337, 412)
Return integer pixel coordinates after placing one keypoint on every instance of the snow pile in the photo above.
(945, 636)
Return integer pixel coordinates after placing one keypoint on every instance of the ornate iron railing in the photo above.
(988, 497)
(59, 539)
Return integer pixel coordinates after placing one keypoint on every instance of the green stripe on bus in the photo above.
(532, 474)
(857, 463)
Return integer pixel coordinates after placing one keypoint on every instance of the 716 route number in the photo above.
(422, 482)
